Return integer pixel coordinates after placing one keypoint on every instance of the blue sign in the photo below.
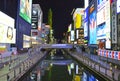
(116, 55)
(110, 54)
(92, 28)
(104, 53)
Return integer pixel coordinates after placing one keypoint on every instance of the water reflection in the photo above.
(57, 66)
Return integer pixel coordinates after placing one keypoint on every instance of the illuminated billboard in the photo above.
(72, 33)
(118, 6)
(78, 17)
(25, 9)
(7, 31)
(86, 23)
(3, 48)
(84, 78)
(26, 41)
(78, 21)
(69, 27)
(101, 16)
(103, 21)
(92, 23)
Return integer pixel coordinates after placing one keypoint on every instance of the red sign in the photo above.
(107, 53)
(112, 54)
(118, 55)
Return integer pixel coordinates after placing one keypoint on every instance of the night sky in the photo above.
(61, 13)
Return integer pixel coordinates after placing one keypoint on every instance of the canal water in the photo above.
(58, 66)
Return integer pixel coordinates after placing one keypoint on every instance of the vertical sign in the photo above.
(114, 22)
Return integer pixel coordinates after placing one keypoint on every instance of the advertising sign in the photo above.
(92, 27)
(110, 54)
(104, 53)
(101, 33)
(104, 23)
(84, 78)
(92, 23)
(77, 34)
(116, 55)
(114, 22)
(108, 22)
(118, 6)
(7, 31)
(25, 9)
(72, 35)
(69, 27)
(101, 16)
(103, 19)
(86, 23)
(3, 48)
(107, 53)
(26, 41)
(78, 21)
(78, 17)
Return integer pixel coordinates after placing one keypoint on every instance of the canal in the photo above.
(58, 66)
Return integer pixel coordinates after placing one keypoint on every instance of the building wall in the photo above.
(22, 27)
(11, 8)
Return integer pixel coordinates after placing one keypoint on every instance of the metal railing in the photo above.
(15, 69)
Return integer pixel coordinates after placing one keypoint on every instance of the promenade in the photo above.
(96, 64)
(14, 66)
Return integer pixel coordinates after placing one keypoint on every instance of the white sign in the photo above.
(72, 35)
(118, 6)
(7, 31)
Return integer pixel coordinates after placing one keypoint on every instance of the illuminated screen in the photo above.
(3, 48)
(77, 34)
(103, 20)
(108, 43)
(101, 33)
(92, 78)
(86, 23)
(92, 28)
(84, 78)
(69, 27)
(7, 34)
(86, 29)
(26, 41)
(99, 1)
(101, 16)
(25, 9)
(78, 21)
(7, 31)
(72, 35)
(118, 6)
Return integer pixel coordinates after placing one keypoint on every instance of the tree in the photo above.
(50, 18)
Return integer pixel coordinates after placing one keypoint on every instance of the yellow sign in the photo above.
(78, 21)
(77, 78)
